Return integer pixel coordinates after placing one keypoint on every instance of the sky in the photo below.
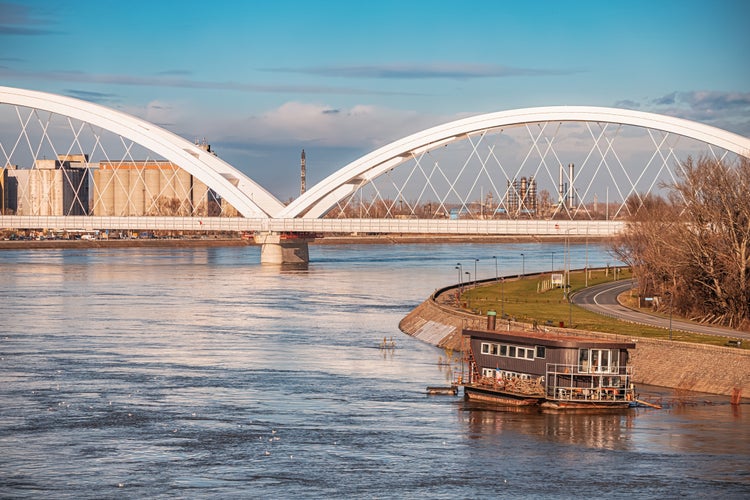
(262, 80)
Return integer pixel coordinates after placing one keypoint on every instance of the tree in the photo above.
(695, 247)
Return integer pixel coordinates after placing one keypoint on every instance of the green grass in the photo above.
(524, 303)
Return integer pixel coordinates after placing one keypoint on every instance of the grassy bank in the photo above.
(525, 300)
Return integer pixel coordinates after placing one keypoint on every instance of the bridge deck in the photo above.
(322, 226)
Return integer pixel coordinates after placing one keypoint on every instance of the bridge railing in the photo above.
(446, 226)
(321, 226)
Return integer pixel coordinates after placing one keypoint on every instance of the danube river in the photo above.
(193, 373)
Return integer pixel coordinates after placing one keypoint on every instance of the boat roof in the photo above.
(547, 339)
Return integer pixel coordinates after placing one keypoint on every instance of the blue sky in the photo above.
(262, 80)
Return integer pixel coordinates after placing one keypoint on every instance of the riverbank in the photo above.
(678, 365)
(215, 241)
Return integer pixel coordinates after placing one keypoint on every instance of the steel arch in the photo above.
(249, 198)
(324, 195)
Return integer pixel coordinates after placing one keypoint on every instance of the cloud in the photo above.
(305, 123)
(627, 104)
(16, 19)
(175, 79)
(459, 71)
(666, 100)
(175, 72)
(92, 96)
(722, 109)
(362, 127)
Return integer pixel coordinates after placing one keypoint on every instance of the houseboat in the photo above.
(546, 370)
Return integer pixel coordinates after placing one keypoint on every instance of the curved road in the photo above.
(602, 299)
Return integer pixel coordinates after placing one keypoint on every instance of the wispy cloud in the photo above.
(627, 104)
(170, 80)
(17, 19)
(92, 96)
(727, 110)
(457, 71)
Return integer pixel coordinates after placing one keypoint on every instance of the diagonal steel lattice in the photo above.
(545, 170)
(38, 146)
(542, 170)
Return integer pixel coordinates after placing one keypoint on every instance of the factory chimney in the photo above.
(303, 174)
(571, 195)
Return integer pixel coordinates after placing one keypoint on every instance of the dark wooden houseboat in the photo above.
(555, 372)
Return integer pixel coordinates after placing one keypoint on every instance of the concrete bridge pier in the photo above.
(282, 249)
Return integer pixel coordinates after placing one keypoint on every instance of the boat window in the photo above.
(503, 350)
(601, 361)
(583, 360)
(485, 348)
(529, 353)
(494, 349)
(512, 351)
(541, 351)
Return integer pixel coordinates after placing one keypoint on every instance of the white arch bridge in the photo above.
(71, 164)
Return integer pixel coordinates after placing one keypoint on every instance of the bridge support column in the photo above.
(278, 249)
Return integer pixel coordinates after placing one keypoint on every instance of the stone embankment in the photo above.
(678, 365)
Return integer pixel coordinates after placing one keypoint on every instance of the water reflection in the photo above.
(167, 371)
(599, 431)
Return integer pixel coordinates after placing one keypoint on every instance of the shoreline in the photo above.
(664, 363)
(218, 241)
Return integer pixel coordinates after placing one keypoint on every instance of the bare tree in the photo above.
(696, 247)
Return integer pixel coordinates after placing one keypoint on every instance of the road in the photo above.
(602, 299)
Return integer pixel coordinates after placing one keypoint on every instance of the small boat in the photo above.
(555, 372)
(442, 391)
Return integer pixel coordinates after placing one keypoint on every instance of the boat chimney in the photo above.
(491, 318)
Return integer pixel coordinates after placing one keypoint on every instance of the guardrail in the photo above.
(346, 226)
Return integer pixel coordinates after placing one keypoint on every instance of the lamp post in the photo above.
(460, 275)
(553, 262)
(475, 268)
(523, 265)
(670, 315)
(502, 297)
(494, 257)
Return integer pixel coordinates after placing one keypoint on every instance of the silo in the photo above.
(182, 190)
(121, 183)
(104, 192)
(166, 190)
(199, 197)
(137, 186)
(151, 186)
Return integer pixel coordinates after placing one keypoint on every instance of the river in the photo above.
(199, 372)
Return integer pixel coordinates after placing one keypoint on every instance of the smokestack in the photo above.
(571, 196)
(303, 174)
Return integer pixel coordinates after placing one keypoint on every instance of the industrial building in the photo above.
(51, 187)
(70, 185)
(150, 187)
(521, 198)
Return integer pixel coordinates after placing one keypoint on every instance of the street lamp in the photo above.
(670, 315)
(475, 268)
(502, 297)
(553, 262)
(494, 257)
(523, 265)
(468, 273)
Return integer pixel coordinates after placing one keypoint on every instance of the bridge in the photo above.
(569, 170)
